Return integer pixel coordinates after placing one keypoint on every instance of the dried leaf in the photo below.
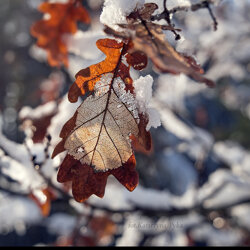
(98, 230)
(87, 78)
(62, 19)
(98, 137)
(43, 200)
(144, 142)
(167, 60)
(102, 227)
(148, 37)
(102, 129)
(138, 60)
(35, 122)
(85, 181)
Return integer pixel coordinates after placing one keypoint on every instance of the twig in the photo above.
(166, 13)
(211, 14)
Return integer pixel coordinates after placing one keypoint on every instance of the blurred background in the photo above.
(194, 187)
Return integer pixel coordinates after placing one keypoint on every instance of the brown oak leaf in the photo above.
(98, 137)
(61, 19)
(102, 227)
(35, 122)
(148, 37)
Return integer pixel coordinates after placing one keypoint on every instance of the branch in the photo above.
(166, 15)
(194, 7)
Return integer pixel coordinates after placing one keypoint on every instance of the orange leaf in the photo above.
(102, 226)
(62, 20)
(43, 199)
(87, 78)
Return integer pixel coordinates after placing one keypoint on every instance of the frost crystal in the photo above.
(102, 86)
(126, 97)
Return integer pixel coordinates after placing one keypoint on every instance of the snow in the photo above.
(227, 47)
(154, 120)
(15, 211)
(141, 197)
(16, 151)
(25, 175)
(125, 97)
(83, 43)
(170, 4)
(241, 214)
(216, 237)
(237, 97)
(65, 111)
(113, 189)
(143, 94)
(61, 224)
(170, 164)
(76, 63)
(38, 112)
(173, 89)
(131, 235)
(226, 187)
(155, 199)
(173, 124)
(230, 152)
(115, 11)
(174, 162)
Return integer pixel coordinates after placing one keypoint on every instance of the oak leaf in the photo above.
(102, 227)
(148, 37)
(113, 64)
(43, 203)
(35, 122)
(61, 19)
(98, 137)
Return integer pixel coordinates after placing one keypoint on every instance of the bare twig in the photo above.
(166, 15)
(204, 4)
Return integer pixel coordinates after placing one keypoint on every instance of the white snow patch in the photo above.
(84, 43)
(65, 111)
(61, 224)
(143, 93)
(39, 112)
(241, 213)
(15, 212)
(115, 11)
(216, 237)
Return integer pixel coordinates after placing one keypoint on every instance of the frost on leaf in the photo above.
(61, 19)
(114, 51)
(148, 37)
(98, 138)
